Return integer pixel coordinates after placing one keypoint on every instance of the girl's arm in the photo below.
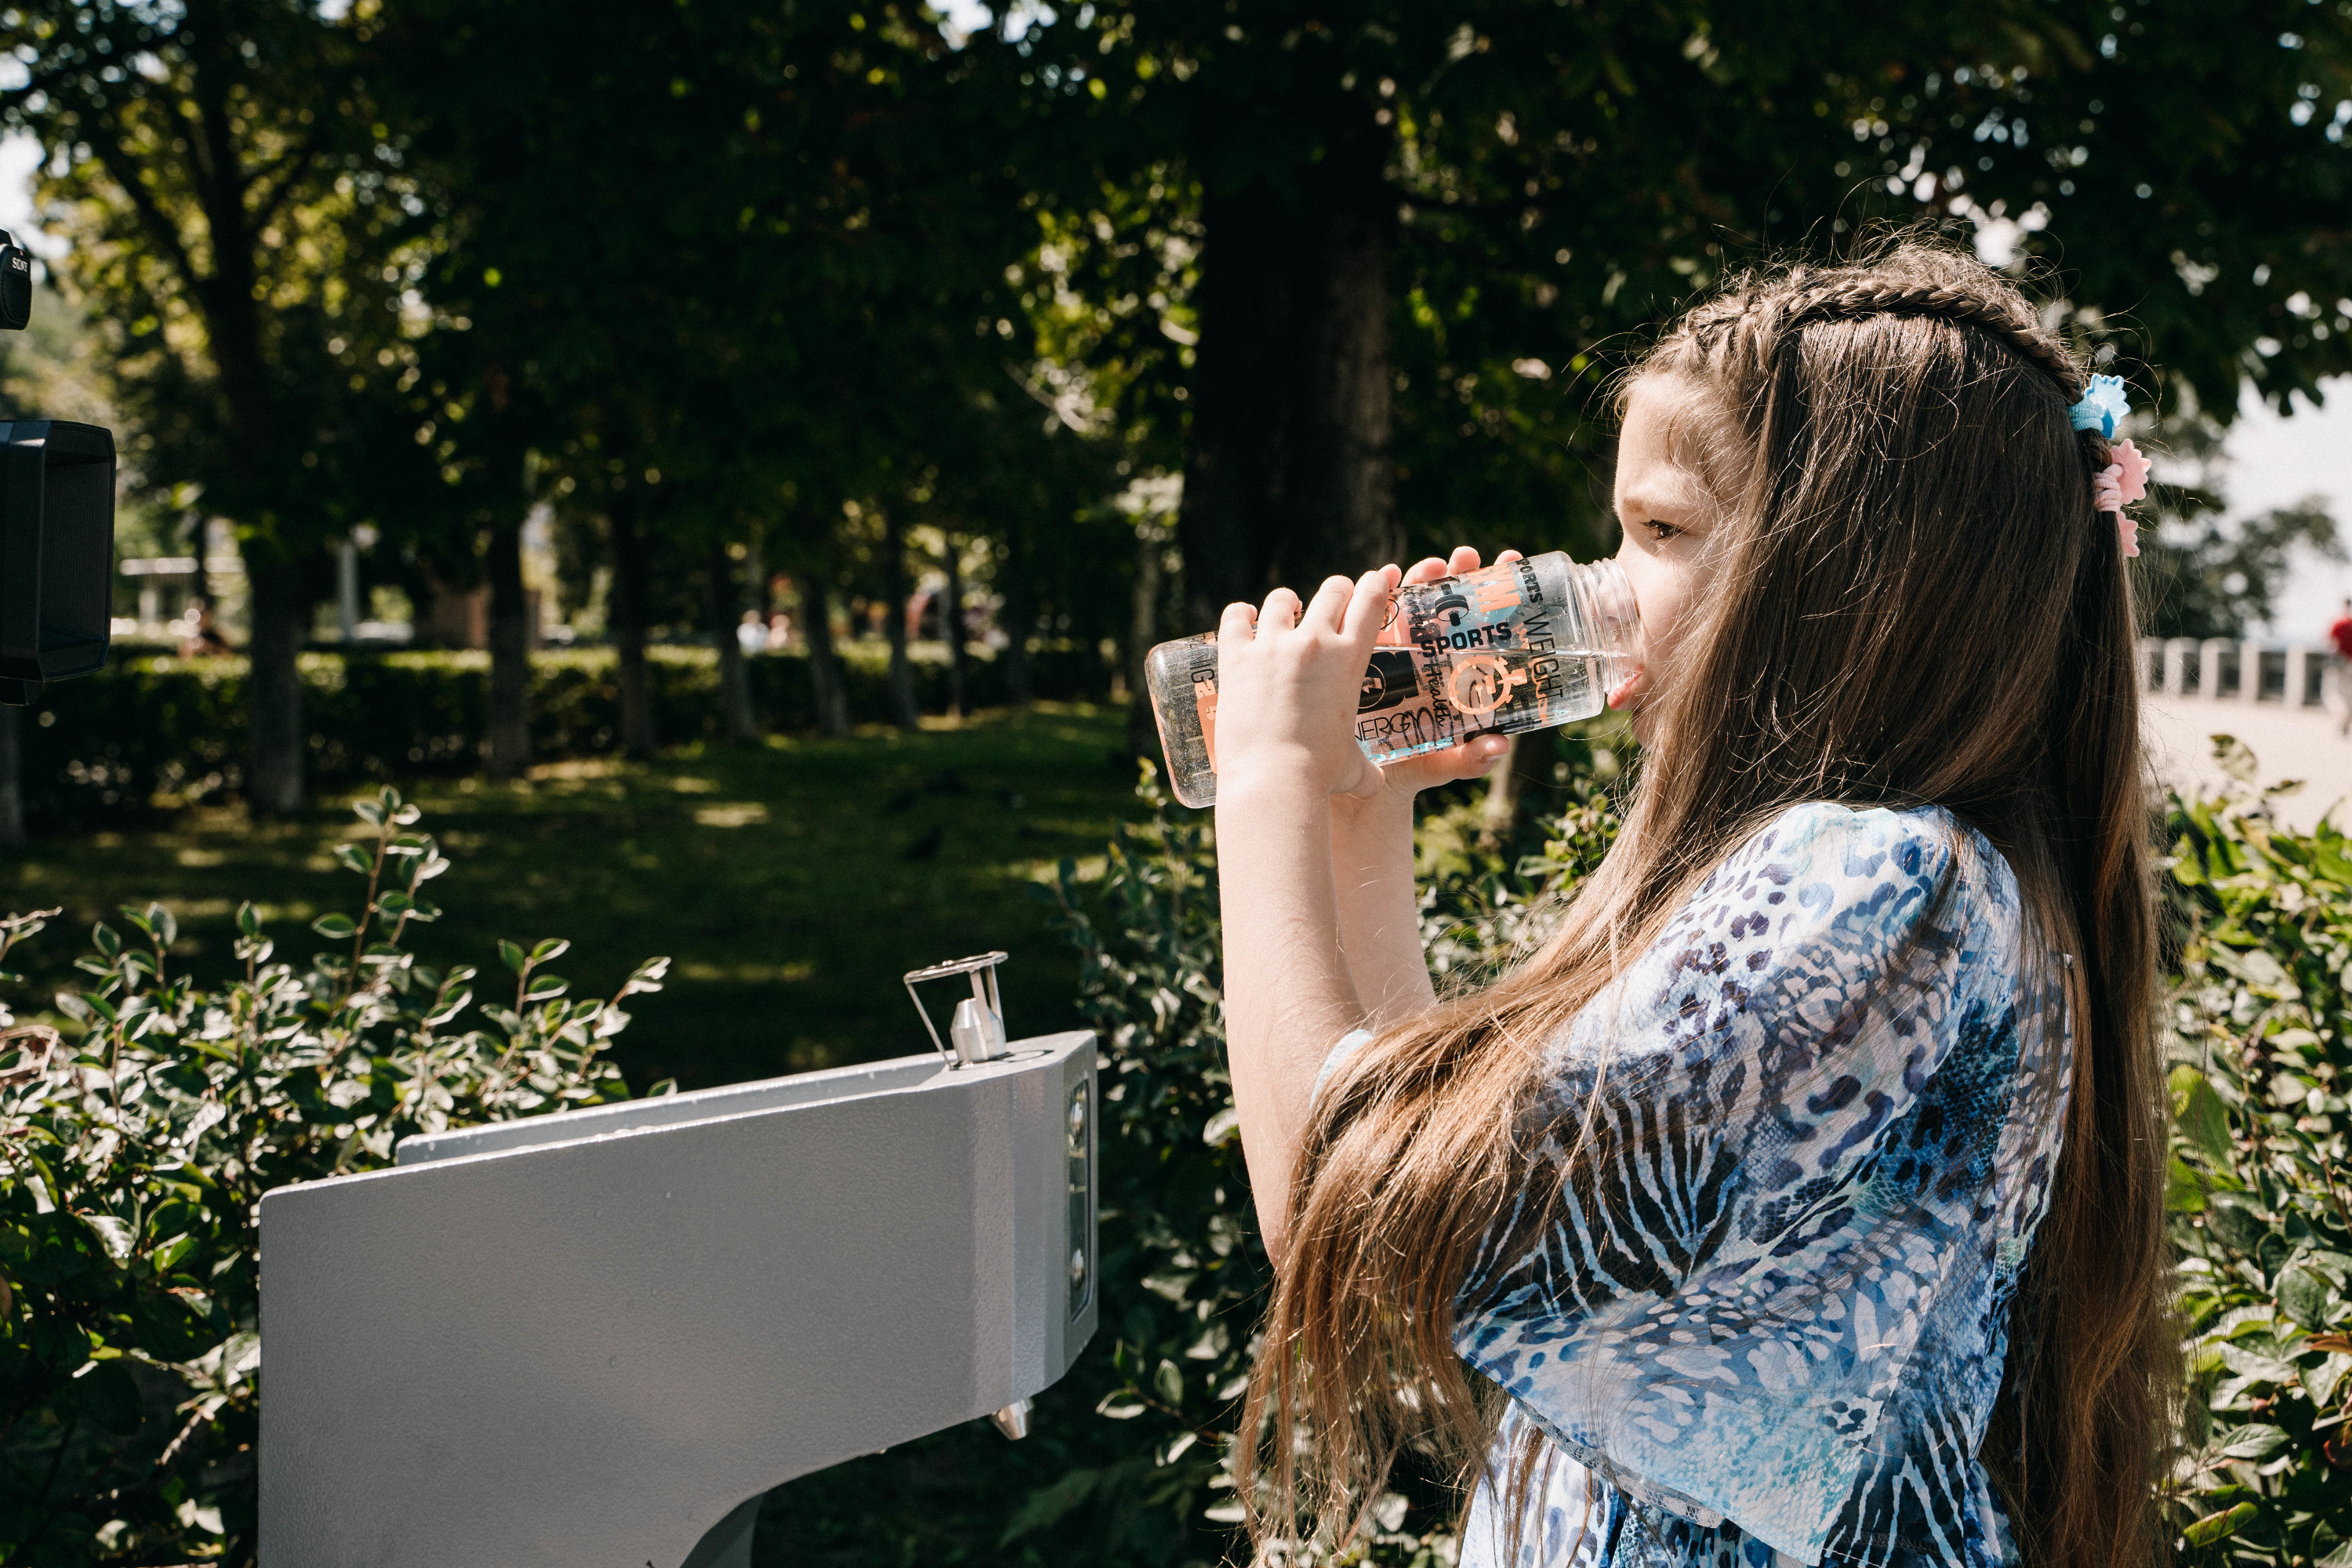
(1379, 908)
(1286, 695)
(1302, 924)
(1371, 857)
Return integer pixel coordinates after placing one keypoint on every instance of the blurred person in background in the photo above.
(2340, 637)
(203, 640)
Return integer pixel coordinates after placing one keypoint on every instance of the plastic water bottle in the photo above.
(1524, 644)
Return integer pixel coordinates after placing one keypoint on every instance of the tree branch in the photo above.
(158, 225)
(288, 168)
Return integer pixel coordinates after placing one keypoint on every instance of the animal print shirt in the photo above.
(1822, 1110)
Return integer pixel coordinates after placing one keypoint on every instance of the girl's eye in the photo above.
(1660, 531)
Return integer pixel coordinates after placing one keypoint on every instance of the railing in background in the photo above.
(2218, 669)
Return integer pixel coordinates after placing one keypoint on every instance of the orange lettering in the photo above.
(1496, 589)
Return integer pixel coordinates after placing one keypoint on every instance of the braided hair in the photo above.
(1737, 334)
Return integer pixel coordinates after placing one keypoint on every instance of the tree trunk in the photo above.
(1019, 620)
(951, 622)
(903, 707)
(274, 785)
(12, 778)
(628, 616)
(1142, 632)
(742, 725)
(1019, 616)
(223, 286)
(200, 590)
(1289, 477)
(510, 654)
(823, 663)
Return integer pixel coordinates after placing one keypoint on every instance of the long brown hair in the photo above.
(1914, 604)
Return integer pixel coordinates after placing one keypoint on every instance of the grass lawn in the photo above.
(793, 883)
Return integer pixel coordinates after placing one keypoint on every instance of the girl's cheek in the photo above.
(1656, 599)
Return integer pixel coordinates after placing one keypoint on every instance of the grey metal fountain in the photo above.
(596, 1339)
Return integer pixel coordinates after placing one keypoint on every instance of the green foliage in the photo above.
(1184, 1271)
(244, 285)
(148, 732)
(140, 1139)
(1182, 1268)
(2259, 1009)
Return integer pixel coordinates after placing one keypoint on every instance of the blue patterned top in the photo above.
(1823, 1110)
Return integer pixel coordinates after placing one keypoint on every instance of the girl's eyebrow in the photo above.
(1683, 494)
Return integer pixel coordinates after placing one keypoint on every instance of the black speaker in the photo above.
(15, 284)
(57, 552)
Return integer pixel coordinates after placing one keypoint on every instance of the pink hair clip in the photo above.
(2118, 485)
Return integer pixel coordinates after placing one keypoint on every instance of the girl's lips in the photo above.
(1622, 696)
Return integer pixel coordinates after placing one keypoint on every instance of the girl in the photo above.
(1800, 1200)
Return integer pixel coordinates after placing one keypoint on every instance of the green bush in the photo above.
(135, 1155)
(1184, 1273)
(1183, 1267)
(137, 1152)
(2260, 1008)
(2260, 1034)
(159, 732)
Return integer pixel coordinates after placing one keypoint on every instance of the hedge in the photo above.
(140, 1127)
(159, 732)
(139, 1140)
(2256, 1021)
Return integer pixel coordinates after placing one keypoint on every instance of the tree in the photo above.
(235, 215)
(2212, 579)
(741, 260)
(1468, 214)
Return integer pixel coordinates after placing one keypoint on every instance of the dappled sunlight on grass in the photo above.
(793, 881)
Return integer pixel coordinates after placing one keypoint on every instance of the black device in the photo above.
(15, 284)
(57, 527)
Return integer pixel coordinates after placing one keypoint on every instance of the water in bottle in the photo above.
(1520, 645)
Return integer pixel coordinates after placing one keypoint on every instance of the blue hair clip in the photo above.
(2102, 405)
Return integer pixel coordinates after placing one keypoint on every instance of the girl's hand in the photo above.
(1472, 758)
(1288, 679)
(1287, 705)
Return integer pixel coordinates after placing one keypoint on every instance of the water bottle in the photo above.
(1523, 644)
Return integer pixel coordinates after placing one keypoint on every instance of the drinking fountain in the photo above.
(595, 1339)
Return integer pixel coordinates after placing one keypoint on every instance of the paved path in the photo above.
(2301, 744)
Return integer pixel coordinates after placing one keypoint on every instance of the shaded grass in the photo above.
(792, 882)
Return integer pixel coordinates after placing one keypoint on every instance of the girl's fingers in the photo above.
(1475, 755)
(1238, 624)
(1393, 627)
(1368, 608)
(1280, 611)
(1329, 604)
(1472, 759)
(1464, 559)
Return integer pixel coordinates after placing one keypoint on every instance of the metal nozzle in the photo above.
(977, 1033)
(978, 1028)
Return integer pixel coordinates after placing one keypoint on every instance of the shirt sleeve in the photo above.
(1691, 1305)
(1351, 1042)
